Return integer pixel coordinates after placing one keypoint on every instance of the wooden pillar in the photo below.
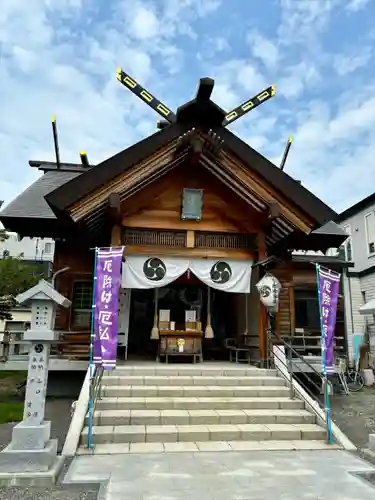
(292, 310)
(262, 318)
(116, 236)
(113, 214)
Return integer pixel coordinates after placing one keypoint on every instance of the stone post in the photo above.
(31, 449)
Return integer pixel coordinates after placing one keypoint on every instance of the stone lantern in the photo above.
(31, 449)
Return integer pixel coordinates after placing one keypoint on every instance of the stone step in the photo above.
(201, 417)
(202, 446)
(194, 391)
(180, 380)
(193, 433)
(205, 370)
(198, 403)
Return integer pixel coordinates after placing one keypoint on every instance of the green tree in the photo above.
(16, 276)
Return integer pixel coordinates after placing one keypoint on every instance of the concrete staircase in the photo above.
(203, 407)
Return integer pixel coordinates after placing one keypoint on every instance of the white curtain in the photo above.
(227, 275)
(153, 272)
(145, 271)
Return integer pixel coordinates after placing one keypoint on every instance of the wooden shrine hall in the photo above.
(192, 193)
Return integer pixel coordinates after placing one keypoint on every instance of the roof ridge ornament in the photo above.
(82, 154)
(145, 95)
(249, 105)
(203, 95)
(286, 152)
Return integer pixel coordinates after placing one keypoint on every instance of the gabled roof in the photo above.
(43, 291)
(277, 178)
(103, 173)
(330, 235)
(357, 207)
(32, 202)
(29, 214)
(56, 191)
(332, 229)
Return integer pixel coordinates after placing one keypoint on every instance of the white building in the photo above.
(359, 283)
(32, 249)
(37, 251)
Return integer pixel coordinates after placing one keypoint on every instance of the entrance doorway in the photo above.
(184, 294)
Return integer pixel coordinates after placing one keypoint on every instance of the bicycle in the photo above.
(351, 380)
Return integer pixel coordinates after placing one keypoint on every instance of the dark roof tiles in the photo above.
(31, 202)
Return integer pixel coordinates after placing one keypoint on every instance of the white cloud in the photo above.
(224, 96)
(144, 24)
(331, 153)
(297, 78)
(263, 49)
(356, 5)
(61, 57)
(345, 64)
(304, 20)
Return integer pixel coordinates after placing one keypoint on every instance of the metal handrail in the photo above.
(297, 354)
(95, 394)
(289, 365)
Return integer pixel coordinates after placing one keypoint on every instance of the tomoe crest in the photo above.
(221, 272)
(269, 291)
(265, 291)
(154, 269)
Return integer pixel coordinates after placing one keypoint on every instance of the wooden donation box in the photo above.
(179, 342)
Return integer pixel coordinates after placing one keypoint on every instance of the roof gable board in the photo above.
(278, 178)
(72, 191)
(64, 193)
(104, 172)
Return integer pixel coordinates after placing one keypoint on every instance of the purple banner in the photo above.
(107, 285)
(328, 283)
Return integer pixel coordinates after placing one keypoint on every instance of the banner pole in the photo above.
(324, 359)
(92, 337)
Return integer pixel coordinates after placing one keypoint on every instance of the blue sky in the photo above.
(61, 57)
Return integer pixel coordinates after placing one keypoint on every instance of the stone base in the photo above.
(40, 336)
(38, 478)
(30, 437)
(12, 460)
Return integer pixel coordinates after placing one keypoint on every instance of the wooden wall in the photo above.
(158, 206)
(285, 316)
(302, 278)
(81, 262)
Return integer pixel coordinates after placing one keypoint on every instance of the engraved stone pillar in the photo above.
(31, 449)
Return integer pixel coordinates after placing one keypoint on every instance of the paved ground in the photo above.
(228, 476)
(45, 494)
(355, 414)
(57, 410)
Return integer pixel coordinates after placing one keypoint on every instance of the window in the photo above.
(81, 304)
(346, 251)
(48, 248)
(6, 254)
(306, 308)
(370, 232)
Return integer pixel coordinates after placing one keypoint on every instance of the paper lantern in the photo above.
(269, 291)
